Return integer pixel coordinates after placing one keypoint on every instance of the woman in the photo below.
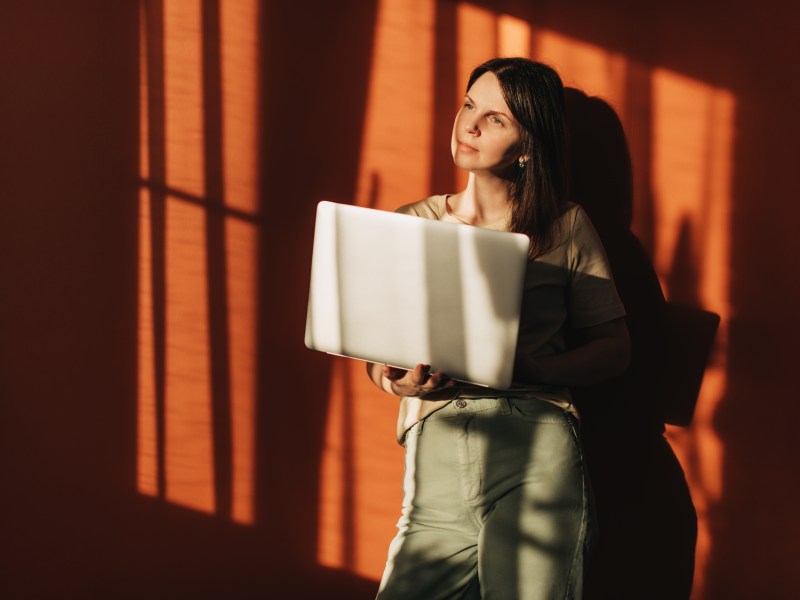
(496, 500)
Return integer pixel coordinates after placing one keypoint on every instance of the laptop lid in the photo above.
(403, 290)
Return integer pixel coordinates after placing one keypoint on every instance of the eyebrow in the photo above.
(494, 112)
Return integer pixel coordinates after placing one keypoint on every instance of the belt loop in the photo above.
(506, 405)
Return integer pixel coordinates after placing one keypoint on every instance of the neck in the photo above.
(484, 201)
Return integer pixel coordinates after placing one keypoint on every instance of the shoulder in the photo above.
(574, 215)
(429, 208)
(577, 223)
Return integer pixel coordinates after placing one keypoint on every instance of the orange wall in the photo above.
(163, 429)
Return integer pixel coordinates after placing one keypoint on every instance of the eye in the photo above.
(496, 120)
(468, 106)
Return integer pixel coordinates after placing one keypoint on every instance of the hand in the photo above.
(420, 382)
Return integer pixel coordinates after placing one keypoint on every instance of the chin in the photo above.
(464, 166)
(465, 162)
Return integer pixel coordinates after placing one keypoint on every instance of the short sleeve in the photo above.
(592, 297)
(430, 208)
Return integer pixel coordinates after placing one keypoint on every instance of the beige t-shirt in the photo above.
(569, 287)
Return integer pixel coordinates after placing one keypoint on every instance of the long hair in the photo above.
(535, 95)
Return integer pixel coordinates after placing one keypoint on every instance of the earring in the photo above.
(521, 164)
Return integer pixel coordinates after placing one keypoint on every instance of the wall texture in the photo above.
(76, 523)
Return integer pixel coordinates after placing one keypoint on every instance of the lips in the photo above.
(467, 147)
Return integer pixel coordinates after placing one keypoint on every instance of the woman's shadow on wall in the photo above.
(646, 520)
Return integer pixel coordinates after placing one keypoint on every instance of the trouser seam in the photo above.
(580, 549)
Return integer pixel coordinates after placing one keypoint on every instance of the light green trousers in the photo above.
(496, 505)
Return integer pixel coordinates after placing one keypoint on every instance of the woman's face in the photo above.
(486, 137)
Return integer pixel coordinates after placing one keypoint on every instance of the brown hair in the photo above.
(535, 95)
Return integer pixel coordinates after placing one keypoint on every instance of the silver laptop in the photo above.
(403, 290)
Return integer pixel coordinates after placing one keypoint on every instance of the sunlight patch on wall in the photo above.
(188, 455)
(183, 98)
(240, 102)
(193, 248)
(589, 68)
(692, 158)
(476, 41)
(513, 37)
(189, 466)
(693, 138)
(240, 126)
(242, 274)
(619, 81)
(483, 34)
(396, 144)
(147, 438)
(147, 455)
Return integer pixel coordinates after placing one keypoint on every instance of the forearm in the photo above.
(595, 360)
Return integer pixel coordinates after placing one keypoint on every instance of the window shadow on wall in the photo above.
(312, 77)
(69, 335)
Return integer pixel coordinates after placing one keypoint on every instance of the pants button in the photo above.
(461, 403)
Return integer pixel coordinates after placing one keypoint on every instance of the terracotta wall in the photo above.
(101, 439)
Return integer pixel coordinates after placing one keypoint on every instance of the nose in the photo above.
(471, 125)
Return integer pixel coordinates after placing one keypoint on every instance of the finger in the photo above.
(446, 381)
(421, 374)
(438, 379)
(432, 381)
(393, 373)
(426, 374)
